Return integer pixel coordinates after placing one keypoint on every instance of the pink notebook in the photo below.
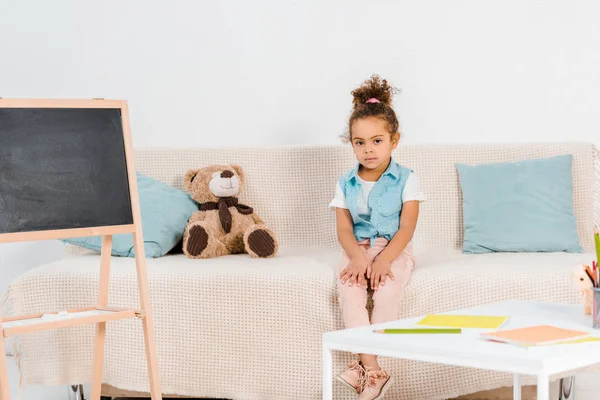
(534, 335)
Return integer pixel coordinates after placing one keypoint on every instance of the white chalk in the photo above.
(60, 315)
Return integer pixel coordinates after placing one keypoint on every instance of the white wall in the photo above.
(278, 72)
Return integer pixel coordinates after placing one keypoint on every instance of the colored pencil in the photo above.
(596, 271)
(590, 275)
(418, 330)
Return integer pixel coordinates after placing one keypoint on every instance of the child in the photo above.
(377, 206)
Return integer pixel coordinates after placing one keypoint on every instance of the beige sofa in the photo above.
(241, 328)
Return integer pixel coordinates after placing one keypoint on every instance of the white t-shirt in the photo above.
(412, 191)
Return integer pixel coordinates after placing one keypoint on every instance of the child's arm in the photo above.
(408, 223)
(345, 232)
(355, 271)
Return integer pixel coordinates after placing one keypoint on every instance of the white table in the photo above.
(468, 350)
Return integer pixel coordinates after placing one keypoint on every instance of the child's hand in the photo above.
(355, 271)
(380, 269)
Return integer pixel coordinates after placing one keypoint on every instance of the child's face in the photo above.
(372, 143)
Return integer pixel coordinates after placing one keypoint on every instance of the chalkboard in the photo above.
(62, 168)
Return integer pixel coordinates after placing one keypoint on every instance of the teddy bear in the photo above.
(223, 225)
(583, 282)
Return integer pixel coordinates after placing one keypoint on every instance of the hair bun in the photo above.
(372, 91)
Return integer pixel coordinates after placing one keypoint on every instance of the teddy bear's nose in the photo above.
(226, 174)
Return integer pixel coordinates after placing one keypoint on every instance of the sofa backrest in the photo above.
(291, 187)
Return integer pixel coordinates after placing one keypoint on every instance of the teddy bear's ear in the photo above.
(240, 173)
(189, 178)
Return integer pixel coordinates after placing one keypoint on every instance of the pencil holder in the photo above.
(596, 308)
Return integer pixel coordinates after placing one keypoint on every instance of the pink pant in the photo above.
(386, 301)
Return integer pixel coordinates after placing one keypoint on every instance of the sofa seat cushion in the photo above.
(233, 315)
(448, 281)
(221, 317)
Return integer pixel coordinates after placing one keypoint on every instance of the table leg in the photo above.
(76, 392)
(327, 374)
(543, 387)
(567, 388)
(516, 387)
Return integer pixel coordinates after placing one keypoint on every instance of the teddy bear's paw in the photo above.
(260, 242)
(197, 241)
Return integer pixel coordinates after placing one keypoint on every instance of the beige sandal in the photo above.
(376, 384)
(353, 377)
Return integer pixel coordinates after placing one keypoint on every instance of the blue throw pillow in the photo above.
(165, 212)
(524, 206)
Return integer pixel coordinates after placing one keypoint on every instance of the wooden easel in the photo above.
(100, 313)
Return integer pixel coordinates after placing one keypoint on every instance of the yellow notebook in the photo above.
(575, 341)
(463, 321)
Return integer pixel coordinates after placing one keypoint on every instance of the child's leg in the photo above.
(353, 303)
(352, 299)
(386, 300)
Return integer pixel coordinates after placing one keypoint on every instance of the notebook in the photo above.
(463, 321)
(535, 335)
(586, 339)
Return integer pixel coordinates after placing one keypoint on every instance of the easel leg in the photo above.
(101, 327)
(4, 390)
(151, 356)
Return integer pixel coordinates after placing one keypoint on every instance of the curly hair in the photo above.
(373, 88)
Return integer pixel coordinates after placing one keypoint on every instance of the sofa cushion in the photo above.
(523, 206)
(444, 282)
(231, 316)
(165, 211)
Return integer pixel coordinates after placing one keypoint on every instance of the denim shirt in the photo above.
(385, 202)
